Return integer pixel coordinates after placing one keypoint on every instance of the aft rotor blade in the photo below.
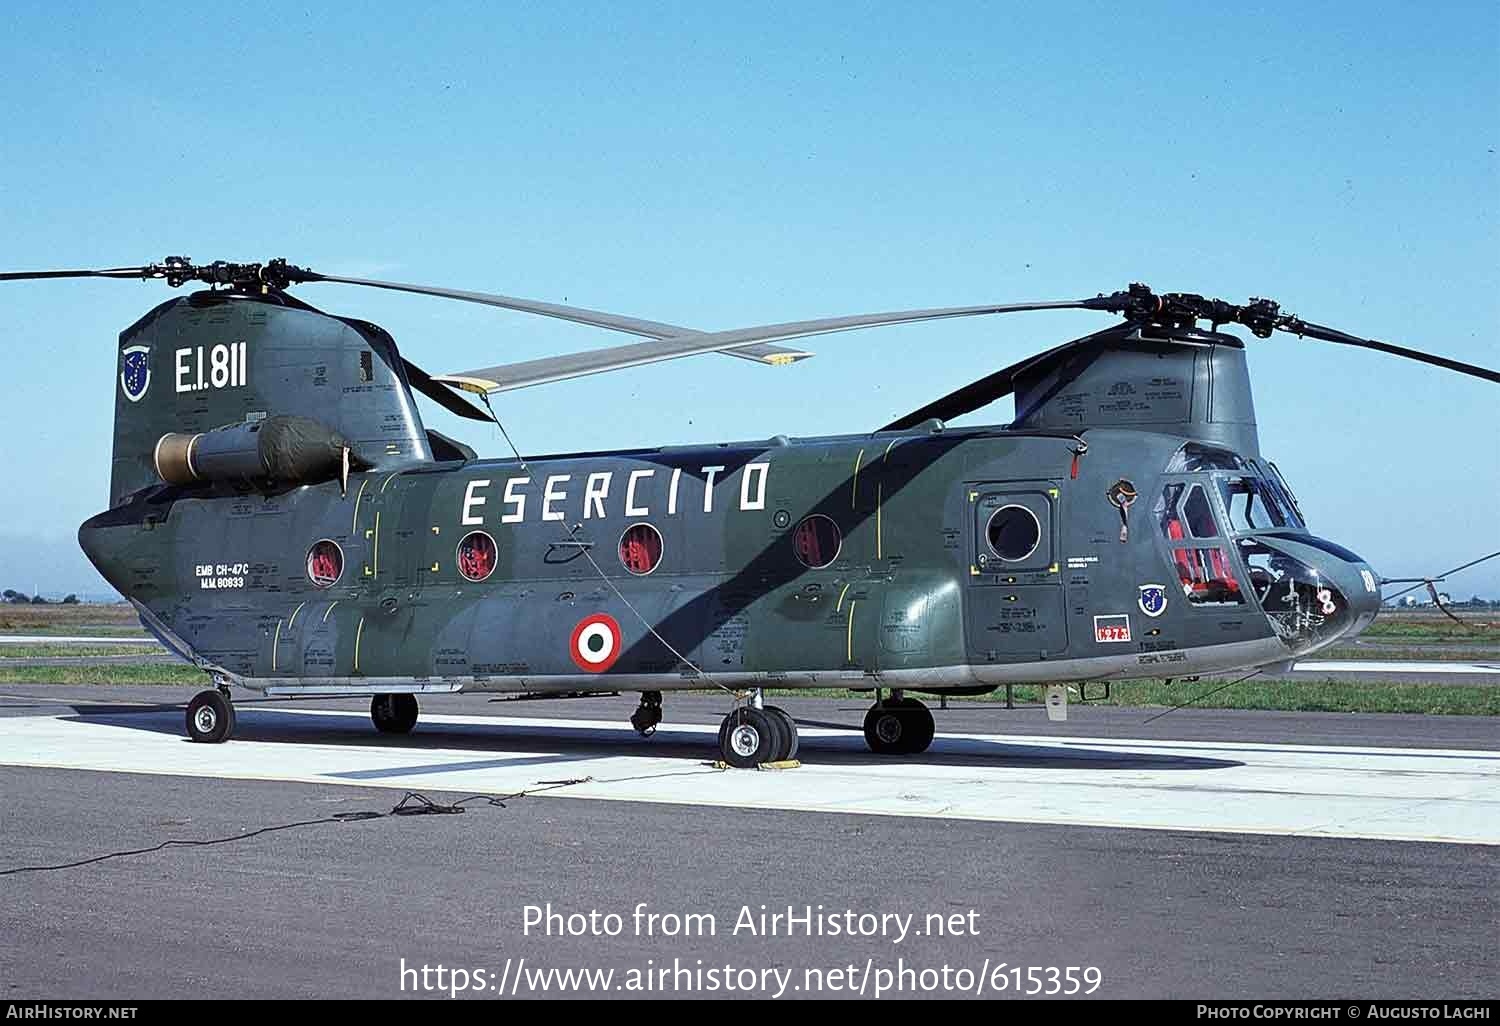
(761, 353)
(441, 394)
(558, 368)
(973, 396)
(979, 394)
(1325, 334)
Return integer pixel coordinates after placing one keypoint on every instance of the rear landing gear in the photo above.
(648, 714)
(394, 714)
(751, 735)
(899, 726)
(210, 716)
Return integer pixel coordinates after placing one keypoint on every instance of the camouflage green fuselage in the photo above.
(914, 598)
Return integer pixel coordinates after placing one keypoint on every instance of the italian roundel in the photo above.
(596, 643)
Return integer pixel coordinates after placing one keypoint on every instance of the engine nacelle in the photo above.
(285, 450)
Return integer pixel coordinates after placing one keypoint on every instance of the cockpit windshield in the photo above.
(1256, 496)
(1289, 499)
(1195, 456)
(1252, 504)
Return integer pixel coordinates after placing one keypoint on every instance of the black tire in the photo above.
(886, 729)
(920, 727)
(394, 714)
(789, 729)
(210, 718)
(750, 737)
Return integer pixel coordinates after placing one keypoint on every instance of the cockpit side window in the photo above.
(1167, 516)
(1199, 514)
(1205, 573)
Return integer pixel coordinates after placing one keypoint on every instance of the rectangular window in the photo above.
(1206, 576)
(1252, 505)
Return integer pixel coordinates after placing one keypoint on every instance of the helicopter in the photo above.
(281, 518)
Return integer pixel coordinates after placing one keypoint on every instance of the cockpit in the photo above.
(1235, 535)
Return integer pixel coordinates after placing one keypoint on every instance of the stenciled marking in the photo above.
(586, 495)
(221, 576)
(211, 367)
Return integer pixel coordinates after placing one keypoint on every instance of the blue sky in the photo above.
(717, 165)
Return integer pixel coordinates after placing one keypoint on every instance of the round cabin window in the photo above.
(325, 564)
(816, 540)
(477, 556)
(1014, 533)
(640, 549)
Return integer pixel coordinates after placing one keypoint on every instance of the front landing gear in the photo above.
(752, 735)
(394, 714)
(898, 726)
(210, 716)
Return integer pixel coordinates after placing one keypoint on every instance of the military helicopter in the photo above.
(281, 517)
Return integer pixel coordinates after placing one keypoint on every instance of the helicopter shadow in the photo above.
(524, 743)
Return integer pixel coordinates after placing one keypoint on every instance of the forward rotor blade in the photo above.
(1325, 334)
(760, 353)
(558, 368)
(107, 272)
(441, 394)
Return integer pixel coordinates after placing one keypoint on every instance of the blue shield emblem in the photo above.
(135, 371)
(1153, 599)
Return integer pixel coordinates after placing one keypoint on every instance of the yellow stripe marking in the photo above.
(849, 636)
(354, 527)
(293, 621)
(359, 633)
(854, 491)
(840, 607)
(388, 481)
(329, 610)
(275, 644)
(479, 386)
(879, 500)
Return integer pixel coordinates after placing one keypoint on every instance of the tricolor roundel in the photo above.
(596, 643)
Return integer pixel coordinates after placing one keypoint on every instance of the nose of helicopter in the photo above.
(1314, 591)
(1357, 584)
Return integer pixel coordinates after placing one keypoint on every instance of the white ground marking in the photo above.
(1326, 791)
(77, 639)
(1380, 666)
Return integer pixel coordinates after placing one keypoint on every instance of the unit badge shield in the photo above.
(1152, 599)
(135, 371)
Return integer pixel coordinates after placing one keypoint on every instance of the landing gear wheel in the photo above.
(750, 737)
(789, 733)
(648, 714)
(920, 725)
(899, 727)
(210, 717)
(394, 714)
